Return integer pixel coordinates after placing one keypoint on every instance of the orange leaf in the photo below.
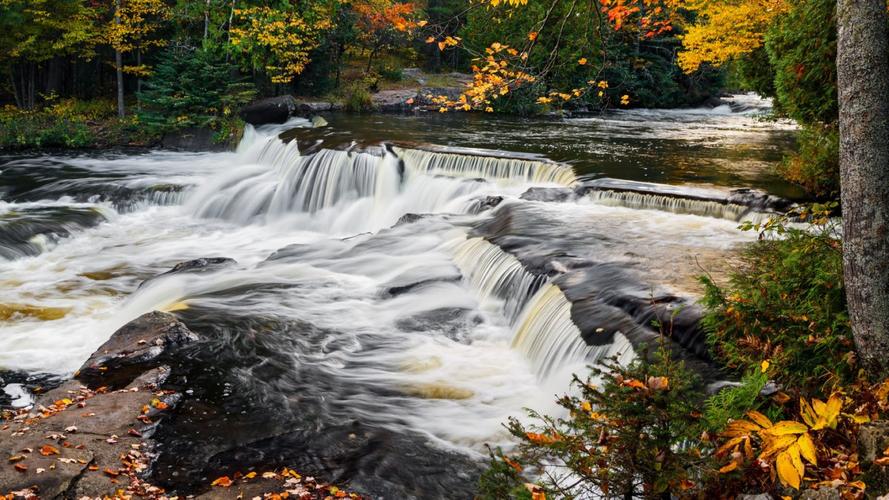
(47, 450)
(21, 467)
(223, 481)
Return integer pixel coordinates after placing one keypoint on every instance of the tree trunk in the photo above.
(207, 20)
(118, 65)
(863, 84)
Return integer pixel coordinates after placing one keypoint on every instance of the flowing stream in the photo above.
(343, 312)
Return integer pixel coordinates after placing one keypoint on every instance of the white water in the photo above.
(456, 382)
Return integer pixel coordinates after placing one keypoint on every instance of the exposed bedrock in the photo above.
(139, 345)
(609, 290)
(734, 204)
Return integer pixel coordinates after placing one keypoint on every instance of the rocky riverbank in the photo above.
(92, 436)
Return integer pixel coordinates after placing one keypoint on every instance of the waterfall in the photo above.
(285, 182)
(495, 275)
(549, 339)
(540, 314)
(677, 205)
(505, 170)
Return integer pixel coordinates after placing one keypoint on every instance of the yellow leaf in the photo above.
(807, 448)
(760, 419)
(582, 61)
(422, 23)
(731, 443)
(728, 467)
(776, 444)
(586, 406)
(532, 36)
(793, 451)
(764, 366)
(786, 471)
(787, 427)
(808, 414)
(740, 427)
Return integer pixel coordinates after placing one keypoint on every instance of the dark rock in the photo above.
(133, 349)
(409, 219)
(202, 265)
(194, 139)
(548, 194)
(269, 110)
(306, 108)
(479, 205)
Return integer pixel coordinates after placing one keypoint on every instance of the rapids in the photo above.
(345, 314)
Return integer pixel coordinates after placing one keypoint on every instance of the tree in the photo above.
(863, 84)
(383, 24)
(279, 41)
(33, 33)
(134, 27)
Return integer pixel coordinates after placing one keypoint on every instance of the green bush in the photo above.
(802, 50)
(816, 165)
(786, 304)
(43, 129)
(192, 88)
(633, 433)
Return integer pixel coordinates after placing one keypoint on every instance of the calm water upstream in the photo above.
(377, 351)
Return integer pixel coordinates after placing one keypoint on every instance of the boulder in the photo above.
(318, 122)
(202, 265)
(270, 110)
(873, 438)
(194, 139)
(133, 349)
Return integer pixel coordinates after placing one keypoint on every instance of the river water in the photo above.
(377, 351)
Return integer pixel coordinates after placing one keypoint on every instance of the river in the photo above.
(377, 350)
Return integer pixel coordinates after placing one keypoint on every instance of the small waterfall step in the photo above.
(732, 204)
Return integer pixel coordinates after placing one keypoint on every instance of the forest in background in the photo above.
(90, 73)
(809, 359)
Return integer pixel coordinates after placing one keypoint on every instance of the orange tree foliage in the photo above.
(503, 68)
(384, 24)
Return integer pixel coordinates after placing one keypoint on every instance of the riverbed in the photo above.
(375, 348)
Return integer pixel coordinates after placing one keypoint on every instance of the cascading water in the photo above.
(673, 204)
(504, 170)
(336, 326)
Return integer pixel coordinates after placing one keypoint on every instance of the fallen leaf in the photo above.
(21, 467)
(47, 450)
(223, 481)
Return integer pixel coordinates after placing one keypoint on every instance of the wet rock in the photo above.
(409, 219)
(133, 349)
(318, 122)
(269, 110)
(479, 205)
(202, 265)
(76, 445)
(306, 108)
(548, 194)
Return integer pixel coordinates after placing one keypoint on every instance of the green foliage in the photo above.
(786, 304)
(732, 402)
(816, 165)
(634, 434)
(191, 88)
(754, 72)
(802, 49)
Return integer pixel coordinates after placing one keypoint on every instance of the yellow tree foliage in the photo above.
(140, 22)
(279, 42)
(726, 30)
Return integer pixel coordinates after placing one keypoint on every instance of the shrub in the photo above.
(43, 129)
(816, 165)
(634, 434)
(786, 304)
